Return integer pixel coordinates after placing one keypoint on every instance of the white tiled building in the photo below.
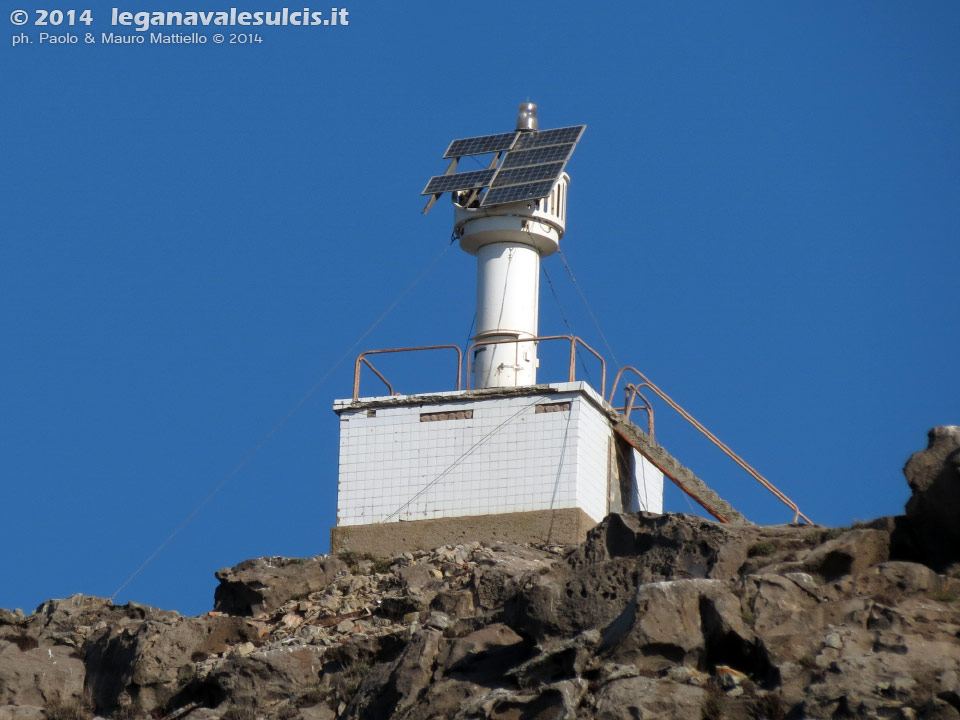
(486, 452)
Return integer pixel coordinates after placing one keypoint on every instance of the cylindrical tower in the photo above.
(508, 241)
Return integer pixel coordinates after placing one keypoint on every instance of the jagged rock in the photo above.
(783, 613)
(487, 643)
(653, 617)
(57, 618)
(888, 582)
(500, 568)
(564, 661)
(145, 666)
(934, 477)
(264, 584)
(455, 603)
(665, 546)
(674, 546)
(68, 621)
(263, 679)
(598, 579)
(380, 697)
(686, 622)
(22, 712)
(422, 580)
(558, 700)
(649, 698)
(937, 709)
(849, 554)
(40, 676)
(563, 602)
(11, 617)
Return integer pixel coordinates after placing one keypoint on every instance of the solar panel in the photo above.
(458, 181)
(514, 193)
(532, 173)
(481, 145)
(521, 158)
(530, 163)
(558, 136)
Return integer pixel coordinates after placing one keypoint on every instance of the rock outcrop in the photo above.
(933, 510)
(654, 616)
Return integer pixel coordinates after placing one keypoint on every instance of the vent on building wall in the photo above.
(453, 415)
(552, 407)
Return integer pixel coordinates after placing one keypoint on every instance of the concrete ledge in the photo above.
(568, 526)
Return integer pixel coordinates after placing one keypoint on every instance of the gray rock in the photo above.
(145, 666)
(262, 585)
(849, 554)
(10, 617)
(399, 686)
(654, 617)
(41, 676)
(422, 580)
(263, 679)
(468, 650)
(558, 700)
(438, 621)
(650, 699)
(937, 709)
(455, 603)
(663, 546)
(22, 712)
(934, 477)
(564, 661)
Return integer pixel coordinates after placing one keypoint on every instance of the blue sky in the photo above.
(764, 218)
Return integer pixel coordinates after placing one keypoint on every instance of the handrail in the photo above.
(574, 340)
(362, 358)
(631, 392)
(378, 374)
(713, 438)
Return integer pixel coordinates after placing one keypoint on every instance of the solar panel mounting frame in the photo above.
(526, 166)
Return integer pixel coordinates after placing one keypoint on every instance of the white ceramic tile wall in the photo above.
(507, 458)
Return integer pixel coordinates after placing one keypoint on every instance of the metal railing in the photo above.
(710, 436)
(571, 373)
(631, 393)
(362, 359)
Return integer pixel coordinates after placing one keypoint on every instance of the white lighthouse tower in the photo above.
(509, 239)
(509, 457)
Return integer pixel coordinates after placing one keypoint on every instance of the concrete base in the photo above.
(568, 526)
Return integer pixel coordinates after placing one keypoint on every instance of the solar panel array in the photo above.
(460, 181)
(531, 166)
(481, 145)
(558, 136)
(519, 158)
(515, 193)
(528, 174)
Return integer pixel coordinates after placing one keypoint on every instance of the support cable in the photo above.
(276, 428)
(466, 453)
(556, 484)
(587, 306)
(566, 322)
(466, 344)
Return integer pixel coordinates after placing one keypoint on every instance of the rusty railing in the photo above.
(711, 437)
(631, 393)
(571, 373)
(362, 359)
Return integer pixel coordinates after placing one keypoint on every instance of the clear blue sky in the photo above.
(764, 217)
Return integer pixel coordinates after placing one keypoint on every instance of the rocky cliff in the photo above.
(654, 616)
